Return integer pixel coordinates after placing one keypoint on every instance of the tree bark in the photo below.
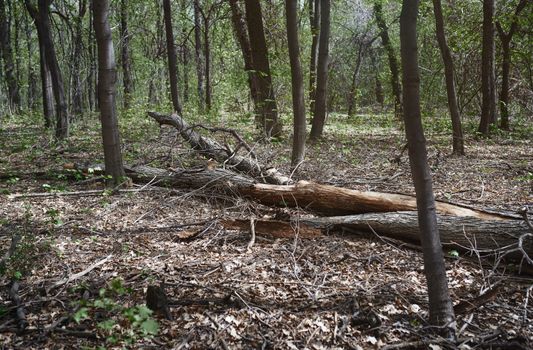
(488, 106)
(241, 33)
(298, 103)
(488, 234)
(172, 57)
(7, 56)
(107, 76)
(440, 304)
(458, 141)
(92, 74)
(393, 61)
(62, 119)
(198, 54)
(207, 55)
(212, 149)
(353, 89)
(270, 125)
(314, 19)
(506, 63)
(32, 79)
(77, 96)
(125, 54)
(319, 116)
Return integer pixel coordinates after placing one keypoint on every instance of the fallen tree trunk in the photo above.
(487, 237)
(388, 214)
(210, 148)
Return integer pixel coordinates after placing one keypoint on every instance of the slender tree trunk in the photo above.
(62, 120)
(125, 54)
(107, 76)
(91, 77)
(298, 102)
(440, 305)
(488, 106)
(7, 56)
(458, 144)
(185, 55)
(378, 88)
(319, 116)
(207, 55)
(32, 79)
(269, 114)
(353, 89)
(393, 61)
(198, 54)
(77, 98)
(172, 57)
(505, 39)
(241, 33)
(314, 19)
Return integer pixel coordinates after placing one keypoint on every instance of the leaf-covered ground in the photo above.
(340, 291)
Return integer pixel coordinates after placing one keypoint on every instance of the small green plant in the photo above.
(54, 217)
(121, 324)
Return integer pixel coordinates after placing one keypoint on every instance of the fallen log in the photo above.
(392, 215)
(210, 148)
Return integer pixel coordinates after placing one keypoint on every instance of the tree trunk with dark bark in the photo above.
(298, 103)
(393, 61)
(107, 76)
(505, 39)
(172, 57)
(32, 78)
(198, 54)
(125, 60)
(314, 19)
(62, 119)
(458, 141)
(319, 116)
(207, 55)
(7, 56)
(270, 125)
(77, 95)
(353, 89)
(488, 107)
(440, 304)
(241, 33)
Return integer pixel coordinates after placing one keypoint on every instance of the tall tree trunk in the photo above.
(319, 116)
(458, 144)
(125, 54)
(198, 54)
(107, 76)
(62, 120)
(270, 124)
(185, 55)
(172, 57)
(77, 97)
(298, 102)
(32, 79)
(207, 55)
(314, 19)
(393, 61)
(488, 106)
(506, 63)
(7, 56)
(241, 33)
(378, 88)
(91, 76)
(353, 89)
(440, 305)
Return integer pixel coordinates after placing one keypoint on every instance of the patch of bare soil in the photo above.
(84, 260)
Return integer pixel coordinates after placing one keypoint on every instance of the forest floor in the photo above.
(339, 291)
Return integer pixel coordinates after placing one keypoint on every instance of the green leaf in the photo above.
(453, 253)
(81, 314)
(106, 325)
(150, 326)
(17, 275)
